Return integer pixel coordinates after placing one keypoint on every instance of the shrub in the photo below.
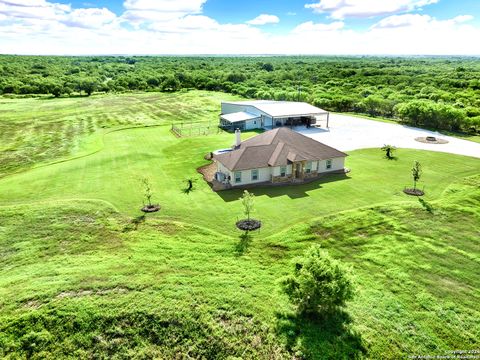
(319, 283)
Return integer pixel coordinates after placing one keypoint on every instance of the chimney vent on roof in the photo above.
(238, 139)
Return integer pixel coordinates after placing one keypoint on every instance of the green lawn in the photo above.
(79, 278)
(113, 175)
(37, 130)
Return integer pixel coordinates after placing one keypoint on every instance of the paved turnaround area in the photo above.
(350, 133)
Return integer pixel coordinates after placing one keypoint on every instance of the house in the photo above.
(267, 114)
(280, 155)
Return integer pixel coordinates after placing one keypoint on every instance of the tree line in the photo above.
(434, 92)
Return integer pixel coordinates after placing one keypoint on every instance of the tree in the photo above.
(89, 85)
(319, 283)
(189, 187)
(171, 83)
(148, 193)
(373, 105)
(57, 91)
(388, 151)
(416, 173)
(248, 200)
(267, 67)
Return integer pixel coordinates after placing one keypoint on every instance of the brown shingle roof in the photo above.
(277, 147)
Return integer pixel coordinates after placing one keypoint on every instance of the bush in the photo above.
(319, 283)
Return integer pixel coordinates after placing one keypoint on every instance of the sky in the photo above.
(247, 27)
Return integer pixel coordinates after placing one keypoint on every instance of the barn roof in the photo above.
(282, 108)
(239, 116)
(277, 147)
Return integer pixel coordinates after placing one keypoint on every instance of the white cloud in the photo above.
(264, 19)
(173, 28)
(341, 9)
(462, 18)
(160, 10)
(418, 21)
(310, 26)
(174, 6)
(396, 21)
(34, 9)
(186, 24)
(46, 14)
(89, 18)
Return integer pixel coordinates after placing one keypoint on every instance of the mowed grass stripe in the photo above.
(102, 112)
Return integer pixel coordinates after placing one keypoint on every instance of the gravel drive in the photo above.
(350, 133)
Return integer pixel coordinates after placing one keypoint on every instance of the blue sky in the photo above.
(241, 11)
(248, 26)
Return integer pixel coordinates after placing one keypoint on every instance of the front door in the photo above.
(298, 170)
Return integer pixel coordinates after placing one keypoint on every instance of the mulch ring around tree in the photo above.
(150, 208)
(249, 225)
(414, 192)
(431, 140)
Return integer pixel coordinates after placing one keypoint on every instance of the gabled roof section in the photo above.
(276, 147)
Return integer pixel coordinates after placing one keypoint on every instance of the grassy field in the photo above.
(37, 130)
(80, 278)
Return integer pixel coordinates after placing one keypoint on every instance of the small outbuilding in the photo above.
(277, 156)
(268, 114)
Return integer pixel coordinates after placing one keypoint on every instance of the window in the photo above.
(308, 167)
(238, 177)
(329, 164)
(283, 171)
(254, 174)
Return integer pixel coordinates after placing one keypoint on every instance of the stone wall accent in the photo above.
(310, 175)
(281, 179)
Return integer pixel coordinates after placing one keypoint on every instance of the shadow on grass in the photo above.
(392, 158)
(134, 223)
(326, 337)
(65, 96)
(244, 243)
(293, 191)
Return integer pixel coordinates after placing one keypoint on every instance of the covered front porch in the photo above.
(300, 173)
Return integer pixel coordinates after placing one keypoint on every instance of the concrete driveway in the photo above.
(351, 133)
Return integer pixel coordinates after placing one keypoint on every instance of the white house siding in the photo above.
(276, 170)
(264, 174)
(337, 164)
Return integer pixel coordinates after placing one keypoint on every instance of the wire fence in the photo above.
(189, 130)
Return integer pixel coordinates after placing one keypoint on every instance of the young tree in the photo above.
(319, 283)
(148, 191)
(248, 200)
(416, 173)
(190, 183)
(388, 151)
